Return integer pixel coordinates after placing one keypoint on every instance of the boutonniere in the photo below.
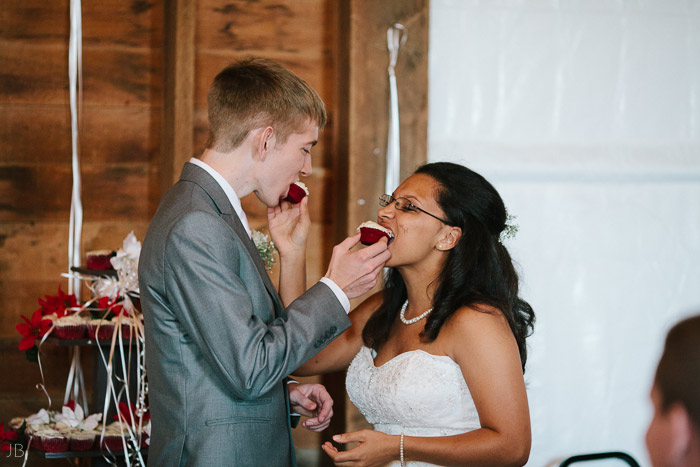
(266, 248)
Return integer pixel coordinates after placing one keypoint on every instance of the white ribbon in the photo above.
(75, 87)
(395, 38)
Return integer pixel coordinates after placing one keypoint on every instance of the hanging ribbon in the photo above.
(75, 68)
(395, 38)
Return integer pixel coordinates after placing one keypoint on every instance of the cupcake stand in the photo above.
(111, 327)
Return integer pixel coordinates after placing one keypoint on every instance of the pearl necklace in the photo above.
(402, 315)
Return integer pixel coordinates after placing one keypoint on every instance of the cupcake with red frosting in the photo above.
(371, 232)
(297, 192)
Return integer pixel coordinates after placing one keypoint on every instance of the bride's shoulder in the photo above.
(478, 330)
(475, 320)
(364, 310)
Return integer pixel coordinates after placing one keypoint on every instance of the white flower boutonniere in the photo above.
(266, 248)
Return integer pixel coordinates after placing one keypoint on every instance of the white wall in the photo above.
(585, 114)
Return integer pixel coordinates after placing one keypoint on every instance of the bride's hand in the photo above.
(289, 226)
(374, 448)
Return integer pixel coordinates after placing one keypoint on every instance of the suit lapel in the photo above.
(235, 223)
(197, 175)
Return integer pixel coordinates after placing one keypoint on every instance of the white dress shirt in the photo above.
(236, 203)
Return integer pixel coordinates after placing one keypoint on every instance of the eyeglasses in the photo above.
(402, 204)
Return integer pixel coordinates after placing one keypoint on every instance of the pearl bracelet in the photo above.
(403, 463)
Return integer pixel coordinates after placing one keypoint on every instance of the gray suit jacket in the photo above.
(219, 343)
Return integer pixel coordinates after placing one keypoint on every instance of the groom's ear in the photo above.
(264, 141)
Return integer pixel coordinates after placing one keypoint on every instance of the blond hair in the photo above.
(257, 92)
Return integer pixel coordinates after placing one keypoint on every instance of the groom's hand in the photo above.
(289, 226)
(311, 400)
(357, 272)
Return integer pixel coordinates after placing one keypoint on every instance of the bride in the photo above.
(436, 359)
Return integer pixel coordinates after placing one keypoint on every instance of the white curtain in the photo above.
(586, 117)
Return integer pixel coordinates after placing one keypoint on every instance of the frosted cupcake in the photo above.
(82, 440)
(127, 324)
(371, 232)
(297, 192)
(113, 437)
(51, 440)
(100, 329)
(100, 259)
(70, 327)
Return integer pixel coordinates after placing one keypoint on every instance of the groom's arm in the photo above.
(216, 310)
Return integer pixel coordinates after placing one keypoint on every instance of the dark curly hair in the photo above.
(477, 271)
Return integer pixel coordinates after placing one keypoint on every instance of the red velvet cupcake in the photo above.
(82, 440)
(371, 232)
(53, 441)
(100, 259)
(100, 329)
(70, 327)
(297, 192)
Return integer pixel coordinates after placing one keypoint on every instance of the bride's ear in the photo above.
(449, 238)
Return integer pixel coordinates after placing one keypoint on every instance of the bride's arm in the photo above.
(338, 354)
(485, 349)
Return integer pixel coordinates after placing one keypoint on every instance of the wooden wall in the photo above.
(147, 66)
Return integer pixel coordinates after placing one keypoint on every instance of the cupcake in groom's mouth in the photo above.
(297, 192)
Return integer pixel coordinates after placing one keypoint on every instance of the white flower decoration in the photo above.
(76, 418)
(126, 262)
(42, 417)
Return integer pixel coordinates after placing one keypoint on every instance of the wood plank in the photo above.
(108, 22)
(35, 134)
(177, 131)
(291, 26)
(43, 192)
(38, 75)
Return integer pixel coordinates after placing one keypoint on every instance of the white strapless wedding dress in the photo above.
(417, 393)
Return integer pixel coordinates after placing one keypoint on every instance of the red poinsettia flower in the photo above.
(32, 330)
(5, 436)
(58, 303)
(116, 308)
(125, 413)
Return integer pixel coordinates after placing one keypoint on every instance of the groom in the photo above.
(220, 340)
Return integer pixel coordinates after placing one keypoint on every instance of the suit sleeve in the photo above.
(212, 303)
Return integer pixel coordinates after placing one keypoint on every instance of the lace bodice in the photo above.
(416, 393)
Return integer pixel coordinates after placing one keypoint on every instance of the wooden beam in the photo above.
(178, 105)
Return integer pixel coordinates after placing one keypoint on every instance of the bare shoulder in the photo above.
(468, 319)
(477, 326)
